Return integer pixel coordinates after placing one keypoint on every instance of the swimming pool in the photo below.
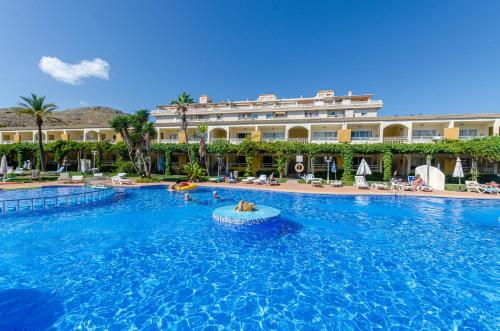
(146, 259)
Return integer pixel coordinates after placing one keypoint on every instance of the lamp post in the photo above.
(94, 153)
(328, 159)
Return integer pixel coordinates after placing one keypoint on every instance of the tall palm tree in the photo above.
(202, 148)
(181, 107)
(36, 107)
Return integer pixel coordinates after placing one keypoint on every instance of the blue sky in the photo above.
(418, 56)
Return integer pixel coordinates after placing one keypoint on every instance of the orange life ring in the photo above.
(299, 167)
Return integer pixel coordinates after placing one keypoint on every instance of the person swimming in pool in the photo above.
(215, 195)
(187, 197)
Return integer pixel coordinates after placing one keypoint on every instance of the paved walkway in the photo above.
(293, 186)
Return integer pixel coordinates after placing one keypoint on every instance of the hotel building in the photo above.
(322, 118)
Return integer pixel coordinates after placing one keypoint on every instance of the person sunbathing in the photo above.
(245, 206)
(417, 183)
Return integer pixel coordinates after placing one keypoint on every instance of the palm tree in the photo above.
(181, 107)
(36, 107)
(202, 149)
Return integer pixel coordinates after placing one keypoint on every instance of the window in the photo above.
(242, 135)
(324, 135)
(311, 114)
(364, 113)
(240, 159)
(424, 133)
(173, 136)
(279, 115)
(269, 115)
(468, 132)
(335, 114)
(267, 161)
(273, 136)
(248, 116)
(361, 134)
(219, 117)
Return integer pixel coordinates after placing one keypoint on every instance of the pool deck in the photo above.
(291, 186)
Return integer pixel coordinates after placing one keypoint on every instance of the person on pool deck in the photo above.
(417, 182)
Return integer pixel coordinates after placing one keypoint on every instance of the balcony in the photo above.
(299, 140)
(469, 137)
(273, 139)
(217, 139)
(235, 140)
(422, 139)
(364, 140)
(325, 139)
(396, 139)
(169, 141)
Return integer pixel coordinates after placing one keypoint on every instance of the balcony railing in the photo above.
(468, 137)
(324, 139)
(422, 139)
(217, 139)
(361, 140)
(169, 141)
(235, 140)
(273, 139)
(396, 139)
(237, 165)
(299, 140)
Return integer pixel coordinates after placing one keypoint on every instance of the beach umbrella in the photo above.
(3, 167)
(458, 172)
(363, 169)
(334, 169)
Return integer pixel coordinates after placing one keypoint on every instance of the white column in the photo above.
(157, 134)
(1, 138)
(451, 124)
(381, 132)
(84, 136)
(410, 130)
(98, 135)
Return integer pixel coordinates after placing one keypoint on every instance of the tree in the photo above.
(138, 133)
(36, 107)
(202, 146)
(181, 108)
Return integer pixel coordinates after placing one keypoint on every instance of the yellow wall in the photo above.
(17, 138)
(256, 136)
(255, 165)
(64, 136)
(119, 137)
(451, 133)
(182, 137)
(449, 166)
(340, 164)
(344, 135)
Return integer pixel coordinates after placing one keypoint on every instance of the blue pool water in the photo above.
(38, 192)
(148, 260)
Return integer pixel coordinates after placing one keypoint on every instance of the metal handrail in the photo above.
(49, 201)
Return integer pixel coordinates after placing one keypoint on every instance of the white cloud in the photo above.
(74, 73)
(84, 103)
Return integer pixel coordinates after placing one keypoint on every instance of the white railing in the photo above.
(273, 139)
(236, 140)
(169, 141)
(469, 137)
(360, 140)
(299, 140)
(396, 139)
(66, 200)
(324, 139)
(422, 139)
(217, 139)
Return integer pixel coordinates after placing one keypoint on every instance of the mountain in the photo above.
(77, 117)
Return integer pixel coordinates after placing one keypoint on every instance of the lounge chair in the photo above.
(317, 182)
(77, 179)
(248, 180)
(262, 180)
(309, 177)
(57, 172)
(218, 179)
(98, 175)
(63, 178)
(360, 182)
(473, 186)
(336, 183)
(19, 171)
(120, 179)
(381, 186)
(232, 179)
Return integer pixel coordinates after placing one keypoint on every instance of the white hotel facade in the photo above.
(322, 118)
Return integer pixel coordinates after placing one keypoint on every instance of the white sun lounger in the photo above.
(248, 180)
(120, 179)
(360, 182)
(77, 179)
(262, 180)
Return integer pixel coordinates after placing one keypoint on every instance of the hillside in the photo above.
(77, 117)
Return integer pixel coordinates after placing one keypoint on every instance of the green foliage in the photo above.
(194, 171)
(387, 162)
(125, 166)
(347, 156)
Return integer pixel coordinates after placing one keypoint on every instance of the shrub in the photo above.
(125, 166)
